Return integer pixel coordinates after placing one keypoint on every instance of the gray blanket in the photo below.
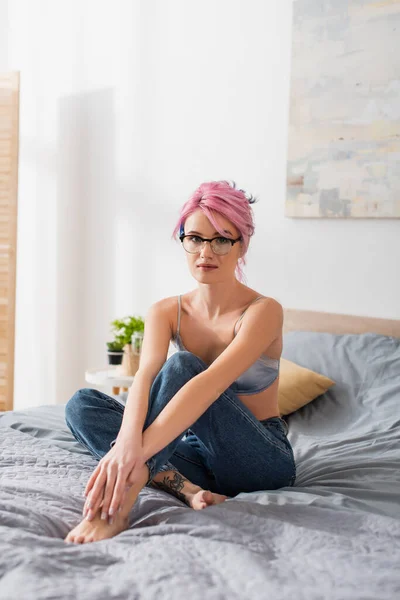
(335, 535)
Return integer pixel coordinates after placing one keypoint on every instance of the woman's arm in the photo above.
(261, 325)
(109, 479)
(136, 408)
(157, 335)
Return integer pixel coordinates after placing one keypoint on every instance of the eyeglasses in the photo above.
(219, 245)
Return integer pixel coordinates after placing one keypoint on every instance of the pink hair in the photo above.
(222, 197)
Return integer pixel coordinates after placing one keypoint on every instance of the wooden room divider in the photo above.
(9, 142)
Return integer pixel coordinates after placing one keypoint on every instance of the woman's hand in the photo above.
(112, 477)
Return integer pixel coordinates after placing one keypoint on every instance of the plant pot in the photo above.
(130, 361)
(115, 358)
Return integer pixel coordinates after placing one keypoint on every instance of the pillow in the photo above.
(357, 363)
(298, 386)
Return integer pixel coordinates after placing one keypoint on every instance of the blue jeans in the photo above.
(227, 450)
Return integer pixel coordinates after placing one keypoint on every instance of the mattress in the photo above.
(334, 535)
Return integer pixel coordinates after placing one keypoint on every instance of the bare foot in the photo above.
(191, 494)
(96, 529)
(204, 498)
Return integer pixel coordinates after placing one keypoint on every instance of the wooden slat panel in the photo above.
(9, 142)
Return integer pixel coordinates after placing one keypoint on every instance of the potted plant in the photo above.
(128, 331)
(115, 353)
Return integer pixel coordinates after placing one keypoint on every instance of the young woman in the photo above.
(205, 423)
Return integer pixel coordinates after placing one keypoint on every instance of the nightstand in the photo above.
(109, 377)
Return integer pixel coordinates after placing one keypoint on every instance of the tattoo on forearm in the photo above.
(172, 486)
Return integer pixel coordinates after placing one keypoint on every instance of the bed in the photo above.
(334, 535)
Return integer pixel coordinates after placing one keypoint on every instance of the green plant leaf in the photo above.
(115, 346)
(125, 327)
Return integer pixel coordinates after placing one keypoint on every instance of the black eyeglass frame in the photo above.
(218, 237)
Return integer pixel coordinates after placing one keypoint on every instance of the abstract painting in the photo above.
(344, 124)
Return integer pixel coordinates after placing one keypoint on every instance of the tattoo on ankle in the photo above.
(173, 486)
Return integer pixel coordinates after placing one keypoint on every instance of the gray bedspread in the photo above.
(335, 535)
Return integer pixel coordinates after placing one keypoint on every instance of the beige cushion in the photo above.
(299, 386)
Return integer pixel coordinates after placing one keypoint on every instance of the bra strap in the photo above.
(179, 316)
(242, 315)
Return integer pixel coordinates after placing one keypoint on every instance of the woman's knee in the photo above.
(185, 361)
(180, 368)
(77, 403)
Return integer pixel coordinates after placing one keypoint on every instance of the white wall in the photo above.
(126, 107)
(3, 35)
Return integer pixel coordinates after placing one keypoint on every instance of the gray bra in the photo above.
(257, 378)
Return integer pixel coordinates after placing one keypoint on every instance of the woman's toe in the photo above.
(208, 497)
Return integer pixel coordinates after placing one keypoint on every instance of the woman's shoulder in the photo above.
(166, 310)
(262, 298)
(272, 306)
(264, 309)
(170, 305)
(172, 302)
(165, 304)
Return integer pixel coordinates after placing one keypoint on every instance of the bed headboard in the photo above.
(308, 320)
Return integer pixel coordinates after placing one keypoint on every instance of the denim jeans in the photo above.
(227, 450)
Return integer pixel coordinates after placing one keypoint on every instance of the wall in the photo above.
(125, 108)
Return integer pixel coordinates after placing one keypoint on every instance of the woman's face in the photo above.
(224, 265)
